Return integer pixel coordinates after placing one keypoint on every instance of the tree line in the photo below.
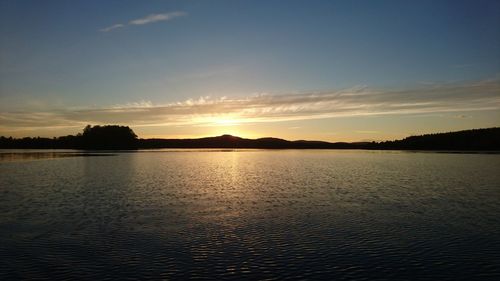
(113, 137)
(93, 137)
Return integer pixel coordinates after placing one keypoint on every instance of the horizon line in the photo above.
(263, 137)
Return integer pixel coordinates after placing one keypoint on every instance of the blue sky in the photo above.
(89, 56)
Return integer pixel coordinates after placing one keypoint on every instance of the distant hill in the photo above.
(122, 137)
(228, 141)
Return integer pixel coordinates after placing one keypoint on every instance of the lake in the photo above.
(249, 214)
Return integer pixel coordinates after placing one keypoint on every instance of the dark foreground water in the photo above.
(250, 214)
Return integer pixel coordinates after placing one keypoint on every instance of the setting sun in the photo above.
(227, 122)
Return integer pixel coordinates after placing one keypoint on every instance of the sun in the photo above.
(224, 124)
(227, 122)
(220, 120)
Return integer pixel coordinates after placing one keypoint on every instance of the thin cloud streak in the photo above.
(206, 111)
(157, 17)
(109, 28)
(147, 20)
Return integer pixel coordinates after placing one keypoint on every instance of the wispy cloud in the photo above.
(109, 28)
(146, 20)
(207, 111)
(157, 17)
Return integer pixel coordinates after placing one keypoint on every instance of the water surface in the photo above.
(251, 214)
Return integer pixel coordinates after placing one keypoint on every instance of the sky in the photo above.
(323, 70)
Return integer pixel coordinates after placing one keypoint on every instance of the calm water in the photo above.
(250, 214)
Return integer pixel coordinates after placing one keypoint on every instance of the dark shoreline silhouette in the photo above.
(112, 137)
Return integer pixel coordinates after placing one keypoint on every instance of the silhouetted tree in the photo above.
(477, 139)
(108, 137)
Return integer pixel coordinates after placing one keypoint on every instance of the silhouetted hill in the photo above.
(478, 139)
(228, 141)
(122, 137)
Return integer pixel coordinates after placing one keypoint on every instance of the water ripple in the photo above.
(246, 215)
